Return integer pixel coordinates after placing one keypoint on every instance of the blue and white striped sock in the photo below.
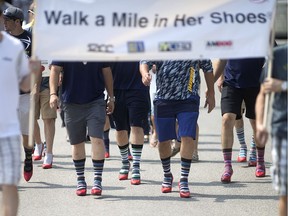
(136, 153)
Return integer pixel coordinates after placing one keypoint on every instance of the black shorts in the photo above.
(232, 98)
(131, 108)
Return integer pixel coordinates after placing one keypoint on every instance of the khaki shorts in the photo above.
(42, 106)
(23, 111)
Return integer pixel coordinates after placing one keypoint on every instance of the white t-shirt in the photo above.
(13, 67)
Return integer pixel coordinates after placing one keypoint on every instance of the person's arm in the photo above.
(144, 70)
(219, 67)
(35, 67)
(108, 79)
(210, 93)
(53, 85)
(261, 130)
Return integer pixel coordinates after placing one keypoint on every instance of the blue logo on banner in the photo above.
(136, 46)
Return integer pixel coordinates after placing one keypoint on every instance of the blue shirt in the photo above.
(243, 73)
(179, 80)
(126, 76)
(82, 83)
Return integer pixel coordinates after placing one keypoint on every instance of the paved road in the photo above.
(52, 192)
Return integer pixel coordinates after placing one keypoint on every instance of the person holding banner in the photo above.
(42, 106)
(13, 18)
(84, 108)
(241, 83)
(130, 115)
(14, 75)
(177, 98)
(277, 84)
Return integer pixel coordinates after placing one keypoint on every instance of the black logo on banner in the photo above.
(100, 48)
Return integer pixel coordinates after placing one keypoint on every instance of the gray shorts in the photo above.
(24, 107)
(10, 160)
(279, 167)
(80, 117)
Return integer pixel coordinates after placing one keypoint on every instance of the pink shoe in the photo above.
(48, 161)
(38, 152)
(226, 177)
(260, 171)
(135, 181)
(96, 192)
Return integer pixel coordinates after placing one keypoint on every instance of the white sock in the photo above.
(48, 158)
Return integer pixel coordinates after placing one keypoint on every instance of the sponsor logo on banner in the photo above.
(219, 44)
(136, 46)
(175, 46)
(100, 48)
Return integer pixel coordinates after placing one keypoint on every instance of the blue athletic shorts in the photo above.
(167, 112)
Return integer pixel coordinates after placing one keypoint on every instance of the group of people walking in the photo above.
(176, 105)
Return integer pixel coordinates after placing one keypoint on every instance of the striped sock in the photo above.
(185, 169)
(227, 155)
(252, 154)
(80, 167)
(241, 137)
(98, 170)
(125, 162)
(106, 140)
(168, 178)
(260, 155)
(136, 153)
(28, 164)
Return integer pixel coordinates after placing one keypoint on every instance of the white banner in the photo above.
(112, 30)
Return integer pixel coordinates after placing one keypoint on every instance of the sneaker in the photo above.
(48, 160)
(28, 169)
(226, 177)
(195, 157)
(38, 152)
(260, 170)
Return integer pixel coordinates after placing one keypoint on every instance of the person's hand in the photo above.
(272, 85)
(261, 135)
(146, 79)
(210, 101)
(54, 101)
(220, 82)
(110, 107)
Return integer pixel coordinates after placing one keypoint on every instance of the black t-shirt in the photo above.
(26, 39)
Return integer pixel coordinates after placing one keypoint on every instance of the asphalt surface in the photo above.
(52, 192)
